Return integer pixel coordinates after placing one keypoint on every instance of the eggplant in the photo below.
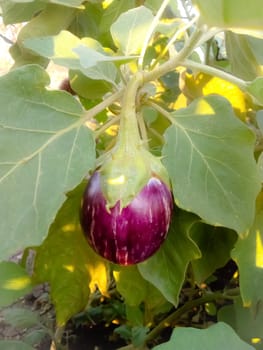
(131, 234)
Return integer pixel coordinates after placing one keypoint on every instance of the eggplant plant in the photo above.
(137, 181)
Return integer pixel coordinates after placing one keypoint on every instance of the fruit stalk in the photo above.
(129, 134)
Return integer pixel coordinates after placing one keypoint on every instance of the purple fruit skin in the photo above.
(133, 234)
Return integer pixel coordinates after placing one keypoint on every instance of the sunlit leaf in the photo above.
(215, 244)
(204, 84)
(166, 269)
(217, 337)
(53, 47)
(130, 29)
(50, 21)
(66, 261)
(14, 282)
(45, 151)
(248, 254)
(247, 322)
(86, 54)
(209, 155)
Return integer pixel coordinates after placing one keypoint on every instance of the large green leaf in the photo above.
(247, 322)
(45, 151)
(209, 156)
(166, 269)
(217, 337)
(231, 13)
(66, 261)
(14, 282)
(215, 244)
(130, 30)
(248, 254)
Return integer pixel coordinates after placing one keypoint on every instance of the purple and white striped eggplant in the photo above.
(132, 234)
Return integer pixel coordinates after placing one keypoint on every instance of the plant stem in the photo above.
(176, 35)
(129, 131)
(172, 63)
(161, 110)
(151, 30)
(242, 84)
(175, 316)
(105, 126)
(101, 106)
(142, 128)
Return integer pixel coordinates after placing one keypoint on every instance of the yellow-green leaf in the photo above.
(66, 261)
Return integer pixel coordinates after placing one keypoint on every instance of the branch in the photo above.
(242, 84)
(176, 315)
(174, 61)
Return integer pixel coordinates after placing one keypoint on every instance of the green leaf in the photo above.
(69, 3)
(247, 322)
(87, 87)
(155, 304)
(166, 269)
(16, 12)
(131, 28)
(242, 57)
(248, 254)
(113, 11)
(137, 290)
(215, 244)
(35, 336)
(255, 88)
(260, 165)
(45, 151)
(209, 156)
(130, 284)
(86, 55)
(50, 21)
(217, 337)
(14, 283)
(86, 22)
(66, 261)
(20, 318)
(14, 345)
(53, 47)
(231, 14)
